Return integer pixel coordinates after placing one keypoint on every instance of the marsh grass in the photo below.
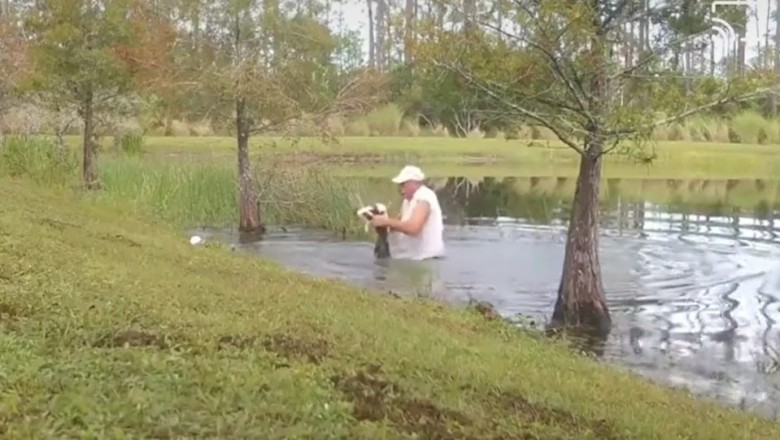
(309, 196)
(190, 195)
(198, 194)
(202, 194)
(39, 159)
(114, 326)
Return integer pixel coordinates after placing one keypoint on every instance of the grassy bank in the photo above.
(114, 326)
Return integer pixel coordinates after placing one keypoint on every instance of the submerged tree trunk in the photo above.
(248, 207)
(91, 179)
(581, 303)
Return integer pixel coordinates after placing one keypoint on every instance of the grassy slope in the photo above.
(112, 326)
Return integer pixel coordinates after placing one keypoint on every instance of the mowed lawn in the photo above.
(113, 326)
(443, 157)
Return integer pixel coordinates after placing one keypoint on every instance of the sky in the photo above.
(355, 17)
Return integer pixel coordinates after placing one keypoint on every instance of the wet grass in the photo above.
(113, 326)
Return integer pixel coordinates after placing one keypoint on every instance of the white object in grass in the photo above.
(195, 239)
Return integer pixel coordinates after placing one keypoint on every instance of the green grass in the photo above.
(447, 156)
(203, 194)
(113, 326)
(196, 194)
(361, 156)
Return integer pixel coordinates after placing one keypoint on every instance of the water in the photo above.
(692, 274)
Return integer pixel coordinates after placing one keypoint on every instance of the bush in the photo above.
(747, 125)
(131, 143)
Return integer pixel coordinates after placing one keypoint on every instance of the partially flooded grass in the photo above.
(114, 326)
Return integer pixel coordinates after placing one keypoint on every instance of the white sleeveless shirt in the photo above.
(429, 242)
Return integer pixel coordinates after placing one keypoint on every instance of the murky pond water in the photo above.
(691, 270)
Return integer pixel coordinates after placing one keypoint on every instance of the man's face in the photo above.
(408, 188)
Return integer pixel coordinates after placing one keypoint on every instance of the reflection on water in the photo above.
(693, 284)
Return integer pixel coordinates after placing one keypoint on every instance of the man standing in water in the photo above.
(418, 233)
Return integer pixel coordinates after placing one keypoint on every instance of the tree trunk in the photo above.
(581, 303)
(91, 179)
(410, 14)
(371, 34)
(248, 206)
(470, 13)
(380, 38)
(776, 58)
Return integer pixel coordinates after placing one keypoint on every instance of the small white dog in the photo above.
(381, 246)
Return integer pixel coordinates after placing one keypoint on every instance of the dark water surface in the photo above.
(692, 273)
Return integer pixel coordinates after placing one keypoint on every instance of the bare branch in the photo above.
(577, 91)
(654, 54)
(544, 120)
(359, 95)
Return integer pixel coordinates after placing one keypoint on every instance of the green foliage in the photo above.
(113, 323)
(280, 62)
(76, 48)
(547, 75)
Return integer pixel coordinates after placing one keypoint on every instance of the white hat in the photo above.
(409, 172)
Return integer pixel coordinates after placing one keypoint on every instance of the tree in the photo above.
(558, 71)
(268, 67)
(14, 62)
(76, 60)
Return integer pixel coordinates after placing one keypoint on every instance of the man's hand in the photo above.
(412, 226)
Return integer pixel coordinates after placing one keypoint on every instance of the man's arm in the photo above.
(414, 224)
